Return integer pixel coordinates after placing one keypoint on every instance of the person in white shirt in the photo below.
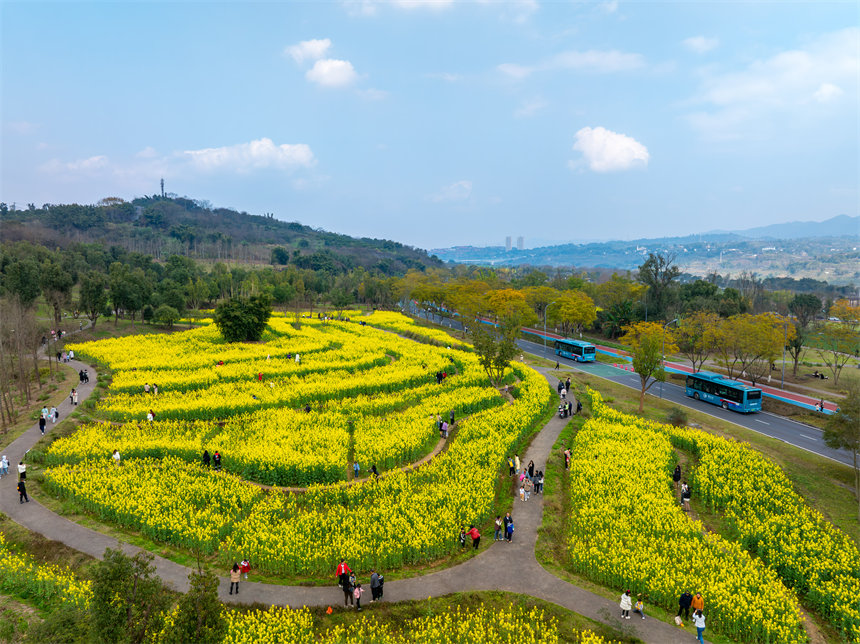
(22, 471)
(116, 456)
(699, 622)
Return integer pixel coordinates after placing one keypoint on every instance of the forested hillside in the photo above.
(167, 226)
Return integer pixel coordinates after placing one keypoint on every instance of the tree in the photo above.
(166, 315)
(843, 430)
(804, 307)
(838, 343)
(128, 599)
(243, 320)
(576, 311)
(280, 256)
(696, 337)
(617, 290)
(646, 341)
(93, 295)
(757, 340)
(847, 314)
(56, 283)
(658, 273)
(496, 345)
(199, 615)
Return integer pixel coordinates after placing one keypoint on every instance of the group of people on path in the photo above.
(686, 602)
(213, 461)
(238, 571)
(683, 487)
(444, 426)
(530, 479)
(353, 590)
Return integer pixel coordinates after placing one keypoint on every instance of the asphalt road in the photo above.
(789, 431)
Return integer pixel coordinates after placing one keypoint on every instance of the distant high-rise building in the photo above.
(521, 243)
(508, 242)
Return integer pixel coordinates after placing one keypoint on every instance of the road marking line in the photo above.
(807, 437)
(760, 421)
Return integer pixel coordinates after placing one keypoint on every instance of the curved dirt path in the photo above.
(500, 566)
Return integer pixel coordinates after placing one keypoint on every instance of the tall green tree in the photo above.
(93, 295)
(843, 430)
(243, 319)
(56, 284)
(128, 600)
(804, 307)
(659, 273)
(647, 340)
(696, 337)
(199, 616)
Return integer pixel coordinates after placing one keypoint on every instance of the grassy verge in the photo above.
(399, 614)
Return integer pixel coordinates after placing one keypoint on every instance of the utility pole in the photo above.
(162, 187)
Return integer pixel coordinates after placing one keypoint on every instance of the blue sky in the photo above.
(441, 123)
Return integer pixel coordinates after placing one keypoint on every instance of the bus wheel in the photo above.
(725, 405)
(696, 395)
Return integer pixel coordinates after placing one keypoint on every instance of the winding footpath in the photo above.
(499, 566)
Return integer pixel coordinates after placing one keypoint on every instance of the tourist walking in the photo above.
(75, 397)
(357, 593)
(43, 422)
(685, 496)
(531, 469)
(676, 476)
(626, 605)
(206, 458)
(216, 461)
(528, 485)
(54, 415)
(517, 463)
(698, 603)
(234, 578)
(4, 466)
(22, 471)
(509, 527)
(699, 622)
(245, 568)
(375, 585)
(22, 492)
(116, 457)
(499, 526)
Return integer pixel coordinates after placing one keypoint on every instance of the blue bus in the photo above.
(576, 350)
(720, 390)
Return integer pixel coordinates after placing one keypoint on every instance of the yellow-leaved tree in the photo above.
(647, 342)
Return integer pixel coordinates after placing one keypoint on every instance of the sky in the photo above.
(441, 123)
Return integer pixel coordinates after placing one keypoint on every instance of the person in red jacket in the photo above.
(342, 573)
(476, 536)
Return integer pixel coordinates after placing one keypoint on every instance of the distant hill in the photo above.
(177, 225)
(841, 225)
(828, 256)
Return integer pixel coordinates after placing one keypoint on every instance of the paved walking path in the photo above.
(500, 566)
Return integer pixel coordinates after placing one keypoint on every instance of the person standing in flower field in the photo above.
(476, 536)
(676, 476)
(698, 603)
(245, 568)
(684, 602)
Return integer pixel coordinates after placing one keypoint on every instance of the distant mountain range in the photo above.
(838, 226)
(826, 250)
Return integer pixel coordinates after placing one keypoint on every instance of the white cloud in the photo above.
(700, 44)
(86, 166)
(457, 191)
(733, 103)
(595, 61)
(422, 4)
(330, 72)
(308, 50)
(827, 92)
(607, 151)
(530, 108)
(147, 153)
(243, 157)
